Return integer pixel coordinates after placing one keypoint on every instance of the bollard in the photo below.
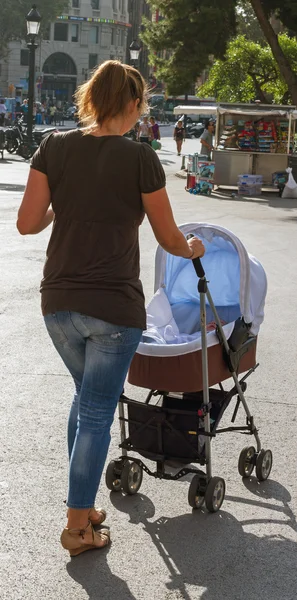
(183, 166)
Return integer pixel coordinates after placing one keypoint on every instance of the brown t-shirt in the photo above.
(92, 263)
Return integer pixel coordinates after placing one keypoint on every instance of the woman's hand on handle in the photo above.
(196, 247)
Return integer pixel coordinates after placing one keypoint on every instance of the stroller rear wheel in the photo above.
(195, 495)
(246, 461)
(131, 478)
(263, 465)
(215, 494)
(113, 477)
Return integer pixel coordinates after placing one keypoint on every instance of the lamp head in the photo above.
(33, 19)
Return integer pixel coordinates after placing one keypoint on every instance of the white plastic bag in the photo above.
(290, 189)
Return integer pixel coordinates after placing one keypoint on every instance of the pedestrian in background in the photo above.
(43, 111)
(145, 134)
(207, 139)
(53, 114)
(92, 297)
(3, 111)
(179, 135)
(24, 109)
(155, 129)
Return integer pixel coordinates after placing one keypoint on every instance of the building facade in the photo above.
(91, 32)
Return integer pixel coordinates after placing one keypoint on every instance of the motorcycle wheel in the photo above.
(11, 146)
(26, 151)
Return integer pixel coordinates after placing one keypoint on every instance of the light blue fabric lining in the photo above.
(222, 267)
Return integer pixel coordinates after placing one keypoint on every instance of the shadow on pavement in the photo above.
(167, 162)
(5, 161)
(269, 490)
(272, 200)
(92, 572)
(12, 187)
(214, 552)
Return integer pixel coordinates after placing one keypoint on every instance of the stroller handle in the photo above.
(197, 262)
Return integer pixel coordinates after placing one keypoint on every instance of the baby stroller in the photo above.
(194, 341)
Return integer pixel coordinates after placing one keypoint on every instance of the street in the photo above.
(161, 549)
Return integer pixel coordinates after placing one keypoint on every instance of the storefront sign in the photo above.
(92, 20)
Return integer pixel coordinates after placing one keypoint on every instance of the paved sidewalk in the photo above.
(161, 549)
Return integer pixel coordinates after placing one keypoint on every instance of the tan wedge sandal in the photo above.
(81, 540)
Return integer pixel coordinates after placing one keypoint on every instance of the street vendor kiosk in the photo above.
(251, 139)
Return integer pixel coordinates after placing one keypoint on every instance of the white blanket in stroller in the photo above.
(162, 330)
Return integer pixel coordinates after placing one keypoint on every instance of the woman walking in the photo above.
(155, 129)
(92, 298)
(145, 134)
(179, 135)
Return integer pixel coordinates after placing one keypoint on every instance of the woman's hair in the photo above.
(107, 94)
(153, 119)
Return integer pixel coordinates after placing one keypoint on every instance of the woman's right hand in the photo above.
(196, 247)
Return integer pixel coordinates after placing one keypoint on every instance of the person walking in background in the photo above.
(92, 297)
(3, 111)
(53, 114)
(207, 139)
(145, 134)
(18, 110)
(155, 129)
(24, 109)
(179, 135)
(43, 111)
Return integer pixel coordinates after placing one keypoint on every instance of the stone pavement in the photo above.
(161, 549)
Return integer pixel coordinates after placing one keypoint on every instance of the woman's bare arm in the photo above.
(34, 213)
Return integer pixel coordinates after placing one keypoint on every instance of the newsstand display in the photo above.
(253, 140)
(200, 175)
(250, 140)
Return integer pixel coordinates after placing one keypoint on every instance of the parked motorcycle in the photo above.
(17, 141)
(194, 130)
(131, 135)
(2, 143)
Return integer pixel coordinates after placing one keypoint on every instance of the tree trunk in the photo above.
(284, 65)
(258, 90)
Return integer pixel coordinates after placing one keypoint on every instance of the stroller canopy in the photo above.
(237, 283)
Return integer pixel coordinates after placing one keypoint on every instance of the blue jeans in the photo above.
(97, 355)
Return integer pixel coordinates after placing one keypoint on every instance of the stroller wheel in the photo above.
(246, 461)
(195, 497)
(215, 494)
(131, 478)
(113, 477)
(264, 465)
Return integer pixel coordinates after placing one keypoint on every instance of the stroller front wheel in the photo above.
(215, 494)
(131, 478)
(263, 465)
(195, 497)
(246, 461)
(113, 477)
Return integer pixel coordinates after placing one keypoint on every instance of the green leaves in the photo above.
(249, 72)
(13, 22)
(191, 30)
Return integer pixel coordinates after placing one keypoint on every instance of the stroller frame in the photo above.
(122, 474)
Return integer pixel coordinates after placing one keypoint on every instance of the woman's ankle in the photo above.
(78, 518)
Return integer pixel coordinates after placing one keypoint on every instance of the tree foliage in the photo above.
(13, 22)
(192, 30)
(249, 72)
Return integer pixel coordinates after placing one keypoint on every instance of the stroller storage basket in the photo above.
(171, 431)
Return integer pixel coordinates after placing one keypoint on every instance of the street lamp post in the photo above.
(135, 49)
(33, 19)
